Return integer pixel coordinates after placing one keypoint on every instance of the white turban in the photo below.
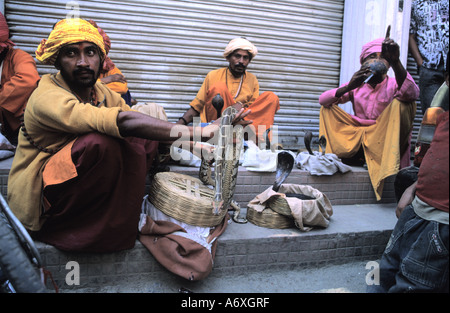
(240, 43)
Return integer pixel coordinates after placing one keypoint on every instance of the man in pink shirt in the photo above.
(384, 110)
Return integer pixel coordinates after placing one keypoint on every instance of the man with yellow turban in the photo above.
(379, 131)
(78, 177)
(238, 88)
(18, 79)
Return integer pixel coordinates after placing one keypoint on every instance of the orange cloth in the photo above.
(383, 142)
(263, 107)
(115, 86)
(60, 167)
(19, 78)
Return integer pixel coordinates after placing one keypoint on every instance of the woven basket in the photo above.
(184, 198)
(280, 206)
(269, 219)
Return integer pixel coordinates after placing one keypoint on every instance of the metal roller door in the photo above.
(165, 48)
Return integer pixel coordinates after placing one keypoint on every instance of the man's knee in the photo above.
(270, 95)
(94, 147)
(407, 110)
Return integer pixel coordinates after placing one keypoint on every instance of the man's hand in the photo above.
(359, 77)
(406, 199)
(357, 80)
(210, 130)
(390, 50)
(119, 78)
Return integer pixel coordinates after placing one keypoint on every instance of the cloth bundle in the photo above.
(257, 160)
(7, 150)
(319, 164)
(183, 249)
(306, 213)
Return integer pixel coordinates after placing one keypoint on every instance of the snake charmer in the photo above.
(78, 177)
(238, 88)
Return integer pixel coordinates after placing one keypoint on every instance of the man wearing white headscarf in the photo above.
(238, 88)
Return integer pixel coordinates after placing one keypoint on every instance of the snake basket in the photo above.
(184, 198)
(269, 219)
(280, 206)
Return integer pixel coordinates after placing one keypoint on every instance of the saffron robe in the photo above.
(263, 107)
(19, 78)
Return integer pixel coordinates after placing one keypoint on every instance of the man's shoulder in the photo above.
(217, 71)
(250, 75)
(19, 53)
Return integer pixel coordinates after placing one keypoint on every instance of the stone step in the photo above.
(341, 189)
(355, 233)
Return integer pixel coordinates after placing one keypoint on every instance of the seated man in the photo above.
(78, 178)
(237, 87)
(18, 79)
(384, 113)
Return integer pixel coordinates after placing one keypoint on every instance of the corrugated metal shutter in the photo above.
(165, 48)
(412, 69)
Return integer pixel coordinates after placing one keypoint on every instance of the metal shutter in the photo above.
(165, 48)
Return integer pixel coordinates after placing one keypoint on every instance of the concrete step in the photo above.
(341, 189)
(355, 233)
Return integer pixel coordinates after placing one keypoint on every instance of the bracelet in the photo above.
(182, 118)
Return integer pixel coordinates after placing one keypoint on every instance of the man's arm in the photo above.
(135, 124)
(406, 199)
(414, 50)
(188, 116)
(390, 51)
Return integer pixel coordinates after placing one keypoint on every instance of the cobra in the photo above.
(226, 156)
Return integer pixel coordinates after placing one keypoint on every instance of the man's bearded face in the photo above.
(239, 61)
(79, 64)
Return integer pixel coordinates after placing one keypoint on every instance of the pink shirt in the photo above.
(368, 102)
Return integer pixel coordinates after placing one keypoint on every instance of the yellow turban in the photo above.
(68, 31)
(240, 43)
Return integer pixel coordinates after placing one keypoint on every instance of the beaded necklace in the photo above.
(240, 84)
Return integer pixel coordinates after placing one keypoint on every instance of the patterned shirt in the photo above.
(429, 23)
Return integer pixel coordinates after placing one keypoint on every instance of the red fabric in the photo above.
(4, 34)
(99, 210)
(432, 183)
(180, 255)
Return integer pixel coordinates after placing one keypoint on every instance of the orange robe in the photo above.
(263, 107)
(120, 88)
(19, 78)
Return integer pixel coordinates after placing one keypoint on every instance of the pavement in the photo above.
(342, 278)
